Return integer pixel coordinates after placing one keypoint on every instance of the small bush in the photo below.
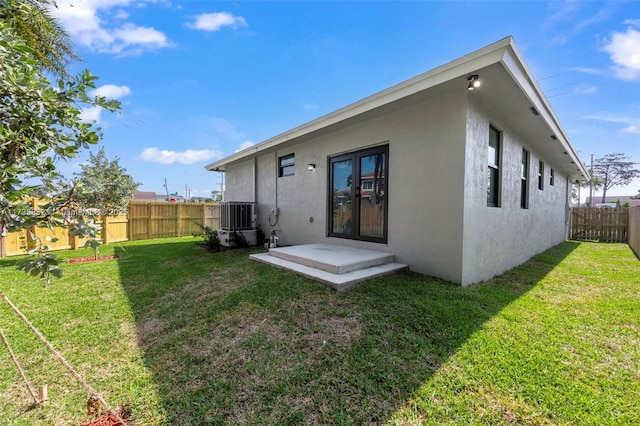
(211, 238)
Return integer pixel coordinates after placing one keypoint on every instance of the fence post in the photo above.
(179, 219)
(105, 229)
(149, 220)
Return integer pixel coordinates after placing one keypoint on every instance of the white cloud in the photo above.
(91, 114)
(585, 88)
(85, 22)
(632, 124)
(563, 16)
(624, 50)
(215, 21)
(78, 166)
(585, 70)
(225, 129)
(245, 145)
(190, 156)
(111, 91)
(121, 14)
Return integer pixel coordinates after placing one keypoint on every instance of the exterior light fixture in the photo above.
(474, 82)
(311, 167)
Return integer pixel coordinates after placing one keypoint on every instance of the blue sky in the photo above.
(199, 80)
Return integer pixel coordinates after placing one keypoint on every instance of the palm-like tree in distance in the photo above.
(32, 22)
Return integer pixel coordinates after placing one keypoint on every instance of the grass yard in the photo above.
(190, 337)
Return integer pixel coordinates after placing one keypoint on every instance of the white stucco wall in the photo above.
(439, 222)
(499, 238)
(239, 182)
(426, 156)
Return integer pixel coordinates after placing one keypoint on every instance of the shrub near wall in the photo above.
(634, 229)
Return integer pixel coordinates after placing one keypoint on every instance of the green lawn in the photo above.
(190, 337)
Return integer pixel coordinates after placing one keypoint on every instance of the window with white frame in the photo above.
(524, 180)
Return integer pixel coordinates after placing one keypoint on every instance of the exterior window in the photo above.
(552, 177)
(524, 180)
(493, 178)
(541, 175)
(367, 185)
(287, 165)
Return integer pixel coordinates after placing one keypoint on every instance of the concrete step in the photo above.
(332, 258)
(342, 281)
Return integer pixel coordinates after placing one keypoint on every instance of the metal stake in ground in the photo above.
(61, 359)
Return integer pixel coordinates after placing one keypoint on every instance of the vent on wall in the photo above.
(237, 215)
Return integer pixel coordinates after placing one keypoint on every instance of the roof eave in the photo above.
(456, 68)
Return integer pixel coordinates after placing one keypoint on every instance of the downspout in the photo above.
(255, 180)
(254, 219)
(275, 208)
(567, 209)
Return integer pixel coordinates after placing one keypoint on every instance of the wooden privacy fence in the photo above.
(600, 224)
(162, 220)
(371, 219)
(145, 221)
(634, 229)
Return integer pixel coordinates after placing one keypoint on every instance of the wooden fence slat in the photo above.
(600, 224)
(145, 220)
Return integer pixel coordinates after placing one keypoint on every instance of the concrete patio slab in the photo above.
(332, 258)
(337, 266)
(338, 282)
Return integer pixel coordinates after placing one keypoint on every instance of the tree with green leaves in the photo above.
(39, 125)
(105, 185)
(216, 196)
(613, 170)
(49, 42)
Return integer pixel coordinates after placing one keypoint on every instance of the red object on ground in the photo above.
(92, 259)
(109, 418)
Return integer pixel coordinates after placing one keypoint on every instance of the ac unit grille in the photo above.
(237, 215)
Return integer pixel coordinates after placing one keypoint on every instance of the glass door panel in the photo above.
(372, 195)
(358, 206)
(342, 197)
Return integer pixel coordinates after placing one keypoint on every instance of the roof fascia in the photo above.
(467, 64)
(514, 64)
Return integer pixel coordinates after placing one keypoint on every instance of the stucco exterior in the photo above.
(497, 239)
(437, 134)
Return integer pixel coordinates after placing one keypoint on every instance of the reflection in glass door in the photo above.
(372, 200)
(342, 200)
(357, 203)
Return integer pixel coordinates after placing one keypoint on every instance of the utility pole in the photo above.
(591, 183)
(166, 188)
(222, 187)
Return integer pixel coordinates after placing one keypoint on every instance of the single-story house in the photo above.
(145, 196)
(622, 199)
(467, 170)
